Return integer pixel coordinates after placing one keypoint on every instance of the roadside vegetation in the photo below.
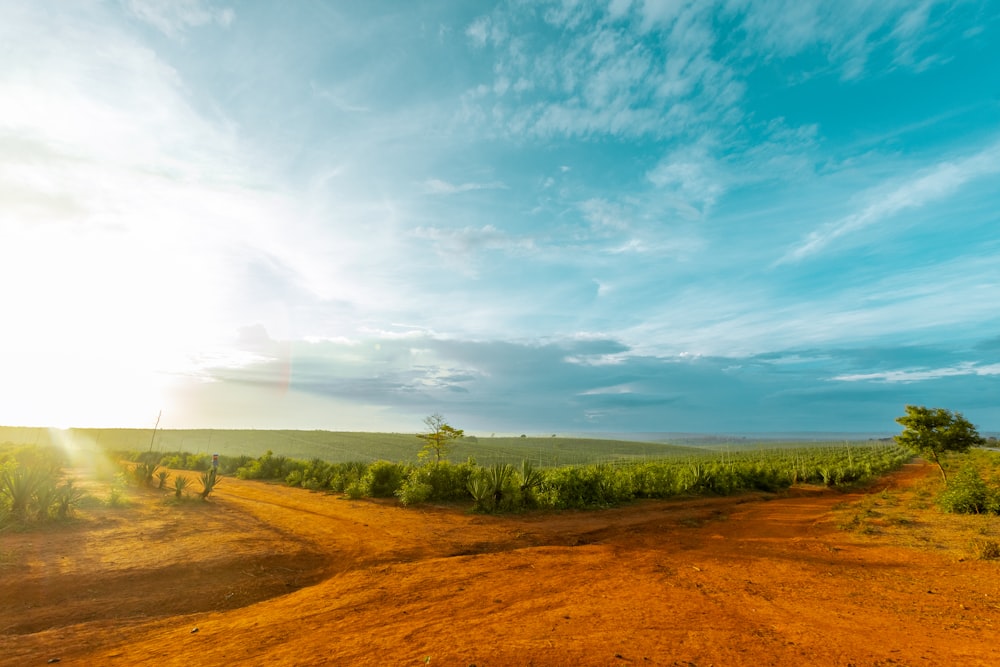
(33, 487)
(535, 480)
(506, 487)
(959, 517)
(955, 512)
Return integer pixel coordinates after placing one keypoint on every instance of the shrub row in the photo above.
(178, 460)
(503, 487)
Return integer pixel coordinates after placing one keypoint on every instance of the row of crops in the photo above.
(510, 487)
(493, 485)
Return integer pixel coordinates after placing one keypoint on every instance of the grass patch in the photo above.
(985, 549)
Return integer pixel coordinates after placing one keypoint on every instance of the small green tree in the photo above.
(930, 432)
(439, 438)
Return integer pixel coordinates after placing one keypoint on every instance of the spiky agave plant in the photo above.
(497, 477)
(20, 484)
(209, 480)
(162, 476)
(144, 471)
(67, 497)
(44, 498)
(180, 484)
(531, 477)
(481, 492)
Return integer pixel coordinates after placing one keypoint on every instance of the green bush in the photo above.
(383, 479)
(414, 492)
(443, 481)
(342, 475)
(267, 466)
(967, 493)
(655, 480)
(585, 486)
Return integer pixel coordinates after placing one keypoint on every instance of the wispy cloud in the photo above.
(174, 17)
(848, 38)
(691, 178)
(590, 77)
(605, 215)
(460, 244)
(337, 100)
(884, 202)
(435, 186)
(922, 375)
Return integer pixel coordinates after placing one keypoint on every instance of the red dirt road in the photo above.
(280, 576)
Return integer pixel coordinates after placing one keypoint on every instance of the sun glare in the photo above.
(82, 393)
(83, 452)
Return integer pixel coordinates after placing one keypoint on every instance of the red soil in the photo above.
(265, 574)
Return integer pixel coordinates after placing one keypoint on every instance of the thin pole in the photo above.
(152, 437)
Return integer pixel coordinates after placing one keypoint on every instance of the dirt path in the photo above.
(272, 575)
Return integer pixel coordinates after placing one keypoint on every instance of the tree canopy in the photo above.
(930, 432)
(438, 438)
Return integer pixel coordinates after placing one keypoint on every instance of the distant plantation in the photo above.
(494, 474)
(345, 446)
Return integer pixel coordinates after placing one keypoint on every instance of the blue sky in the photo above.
(729, 216)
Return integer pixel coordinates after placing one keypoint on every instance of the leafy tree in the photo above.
(930, 432)
(439, 437)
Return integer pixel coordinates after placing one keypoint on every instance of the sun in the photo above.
(59, 390)
(97, 323)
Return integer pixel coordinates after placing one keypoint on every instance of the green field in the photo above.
(344, 446)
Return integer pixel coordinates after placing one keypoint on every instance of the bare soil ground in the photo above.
(264, 574)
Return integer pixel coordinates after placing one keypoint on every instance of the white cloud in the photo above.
(605, 215)
(612, 390)
(922, 375)
(849, 32)
(435, 186)
(471, 239)
(691, 177)
(478, 31)
(748, 318)
(884, 202)
(593, 78)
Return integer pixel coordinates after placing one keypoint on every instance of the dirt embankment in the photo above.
(273, 575)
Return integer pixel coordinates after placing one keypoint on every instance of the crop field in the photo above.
(345, 446)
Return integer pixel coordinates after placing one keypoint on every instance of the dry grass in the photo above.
(910, 518)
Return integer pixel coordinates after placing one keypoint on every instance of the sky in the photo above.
(714, 216)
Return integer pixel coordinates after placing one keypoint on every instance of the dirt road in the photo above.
(264, 574)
